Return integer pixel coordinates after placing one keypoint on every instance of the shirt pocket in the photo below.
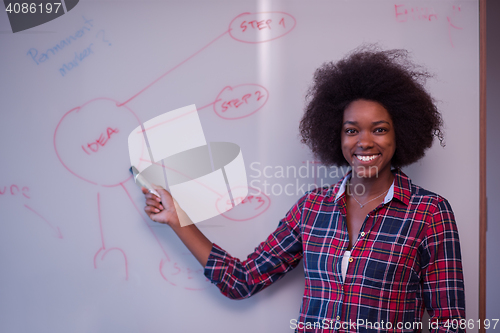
(391, 261)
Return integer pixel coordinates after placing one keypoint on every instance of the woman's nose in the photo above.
(365, 140)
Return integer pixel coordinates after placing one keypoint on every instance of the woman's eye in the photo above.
(380, 130)
(350, 131)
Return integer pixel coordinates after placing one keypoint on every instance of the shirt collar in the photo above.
(402, 187)
(399, 190)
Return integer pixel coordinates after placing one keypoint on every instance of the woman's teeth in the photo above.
(366, 158)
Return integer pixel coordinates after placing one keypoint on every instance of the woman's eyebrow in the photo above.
(350, 122)
(380, 122)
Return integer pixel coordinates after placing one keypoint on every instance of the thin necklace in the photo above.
(362, 205)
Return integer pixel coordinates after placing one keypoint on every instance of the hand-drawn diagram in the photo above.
(96, 132)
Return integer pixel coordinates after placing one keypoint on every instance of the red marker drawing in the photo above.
(103, 251)
(56, 230)
(98, 145)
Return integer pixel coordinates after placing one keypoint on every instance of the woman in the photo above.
(377, 249)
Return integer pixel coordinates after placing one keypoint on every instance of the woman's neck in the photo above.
(365, 187)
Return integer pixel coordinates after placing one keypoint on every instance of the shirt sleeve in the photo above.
(278, 254)
(443, 283)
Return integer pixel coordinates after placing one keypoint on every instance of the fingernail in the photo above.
(158, 199)
(161, 207)
(156, 210)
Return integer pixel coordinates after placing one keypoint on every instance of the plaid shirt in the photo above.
(406, 258)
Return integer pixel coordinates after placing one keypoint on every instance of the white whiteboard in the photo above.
(77, 253)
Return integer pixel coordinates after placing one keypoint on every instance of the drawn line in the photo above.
(161, 273)
(169, 120)
(95, 256)
(172, 69)
(103, 248)
(454, 26)
(449, 30)
(206, 106)
(100, 221)
(57, 230)
(124, 257)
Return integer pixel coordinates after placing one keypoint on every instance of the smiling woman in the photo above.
(377, 250)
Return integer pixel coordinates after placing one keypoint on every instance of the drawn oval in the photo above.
(240, 101)
(90, 141)
(261, 27)
(250, 207)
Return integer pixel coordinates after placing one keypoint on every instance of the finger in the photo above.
(154, 203)
(161, 191)
(148, 194)
(164, 194)
(152, 196)
(151, 211)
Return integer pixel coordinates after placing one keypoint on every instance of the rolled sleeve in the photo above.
(216, 264)
(271, 260)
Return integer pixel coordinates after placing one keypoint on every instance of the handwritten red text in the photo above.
(240, 101)
(256, 199)
(261, 27)
(403, 13)
(14, 190)
(246, 208)
(101, 142)
(237, 102)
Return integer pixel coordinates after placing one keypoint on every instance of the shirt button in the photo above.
(351, 260)
(363, 234)
(338, 317)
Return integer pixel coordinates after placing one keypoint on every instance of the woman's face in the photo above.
(368, 140)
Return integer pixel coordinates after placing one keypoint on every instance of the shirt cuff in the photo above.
(216, 264)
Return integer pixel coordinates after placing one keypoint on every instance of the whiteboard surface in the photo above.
(77, 252)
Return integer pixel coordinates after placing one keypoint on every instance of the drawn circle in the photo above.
(246, 208)
(184, 274)
(231, 103)
(256, 27)
(91, 141)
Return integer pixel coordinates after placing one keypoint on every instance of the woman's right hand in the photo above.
(161, 210)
